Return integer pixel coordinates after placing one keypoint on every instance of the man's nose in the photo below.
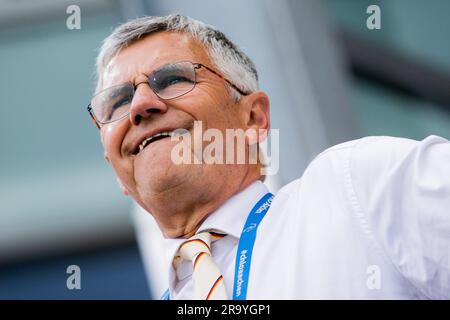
(145, 103)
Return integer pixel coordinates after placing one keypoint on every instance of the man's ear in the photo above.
(257, 108)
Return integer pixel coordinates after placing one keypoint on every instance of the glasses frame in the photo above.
(196, 66)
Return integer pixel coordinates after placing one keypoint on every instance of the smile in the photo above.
(158, 136)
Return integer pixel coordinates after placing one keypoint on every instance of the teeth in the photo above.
(149, 139)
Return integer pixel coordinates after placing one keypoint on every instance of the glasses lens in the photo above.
(173, 80)
(112, 103)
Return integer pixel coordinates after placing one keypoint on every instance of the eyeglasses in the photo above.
(169, 82)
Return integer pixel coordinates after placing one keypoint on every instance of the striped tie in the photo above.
(208, 281)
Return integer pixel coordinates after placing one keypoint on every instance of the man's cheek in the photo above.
(107, 132)
(109, 139)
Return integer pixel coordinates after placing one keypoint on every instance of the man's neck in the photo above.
(182, 217)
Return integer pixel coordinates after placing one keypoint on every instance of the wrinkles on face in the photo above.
(151, 178)
(117, 72)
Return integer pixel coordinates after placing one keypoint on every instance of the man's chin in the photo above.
(155, 181)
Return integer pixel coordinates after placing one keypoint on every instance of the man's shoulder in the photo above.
(364, 159)
(373, 146)
(367, 153)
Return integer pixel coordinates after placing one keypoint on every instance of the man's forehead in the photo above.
(150, 53)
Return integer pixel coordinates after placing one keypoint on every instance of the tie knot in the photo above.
(207, 277)
(201, 242)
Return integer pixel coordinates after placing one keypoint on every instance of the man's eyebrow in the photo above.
(147, 74)
(117, 90)
(159, 68)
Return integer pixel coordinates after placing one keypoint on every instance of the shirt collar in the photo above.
(229, 218)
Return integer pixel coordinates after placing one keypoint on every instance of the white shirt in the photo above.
(369, 219)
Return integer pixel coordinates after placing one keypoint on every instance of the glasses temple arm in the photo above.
(199, 65)
(89, 109)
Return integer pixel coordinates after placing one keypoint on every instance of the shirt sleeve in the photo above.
(403, 189)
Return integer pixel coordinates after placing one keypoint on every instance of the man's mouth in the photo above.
(156, 137)
(143, 141)
(146, 142)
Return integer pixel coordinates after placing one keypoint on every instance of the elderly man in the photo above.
(368, 219)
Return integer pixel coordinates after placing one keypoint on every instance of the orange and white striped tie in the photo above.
(208, 280)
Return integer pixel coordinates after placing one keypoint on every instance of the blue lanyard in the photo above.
(245, 248)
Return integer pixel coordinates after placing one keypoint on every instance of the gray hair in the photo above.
(235, 65)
